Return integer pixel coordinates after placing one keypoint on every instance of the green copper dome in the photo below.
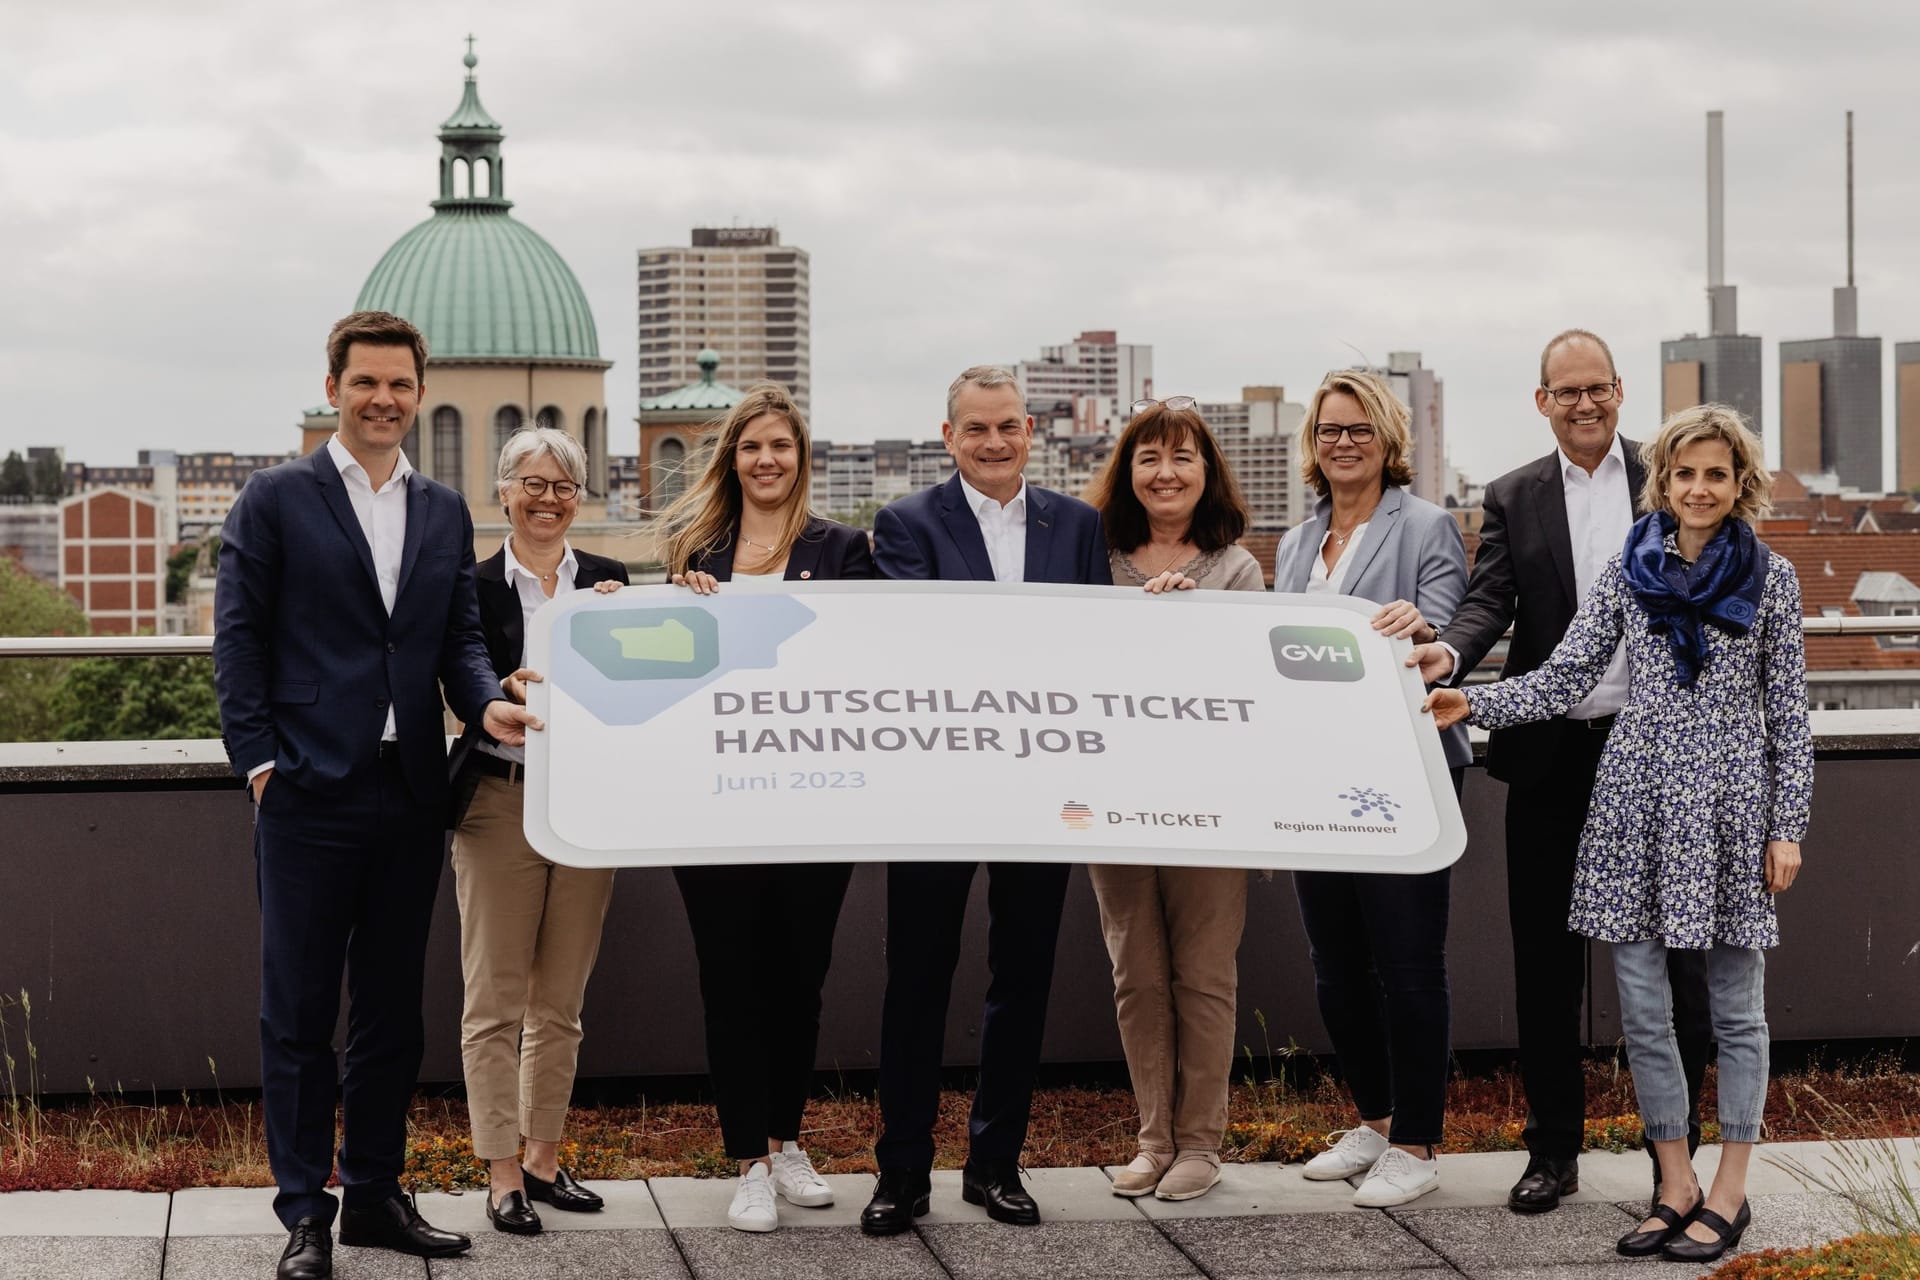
(478, 283)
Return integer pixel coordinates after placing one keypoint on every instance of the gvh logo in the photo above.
(1317, 653)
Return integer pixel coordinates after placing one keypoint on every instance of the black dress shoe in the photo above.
(1644, 1244)
(1547, 1179)
(309, 1252)
(1684, 1248)
(899, 1196)
(513, 1214)
(1000, 1191)
(562, 1193)
(395, 1224)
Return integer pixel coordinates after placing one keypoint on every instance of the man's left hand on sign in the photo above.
(509, 724)
(1402, 620)
(515, 685)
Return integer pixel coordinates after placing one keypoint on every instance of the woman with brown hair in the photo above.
(1173, 511)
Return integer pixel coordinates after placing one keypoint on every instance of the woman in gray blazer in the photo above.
(1379, 941)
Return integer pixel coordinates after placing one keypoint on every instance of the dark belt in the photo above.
(1599, 724)
(494, 767)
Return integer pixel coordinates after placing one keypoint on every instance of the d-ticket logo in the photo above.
(1317, 653)
(1077, 816)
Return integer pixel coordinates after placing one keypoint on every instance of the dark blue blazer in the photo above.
(933, 535)
(306, 659)
(825, 551)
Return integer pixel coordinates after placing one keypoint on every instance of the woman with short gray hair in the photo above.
(529, 929)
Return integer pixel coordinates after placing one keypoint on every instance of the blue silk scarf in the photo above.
(1723, 586)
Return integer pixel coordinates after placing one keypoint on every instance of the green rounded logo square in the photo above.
(1317, 653)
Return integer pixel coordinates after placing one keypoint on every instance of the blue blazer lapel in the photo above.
(333, 490)
(964, 528)
(1380, 527)
(416, 529)
(1299, 571)
(1039, 536)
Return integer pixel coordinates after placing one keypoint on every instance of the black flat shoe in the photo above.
(562, 1193)
(309, 1252)
(1000, 1191)
(1545, 1181)
(1684, 1248)
(1644, 1244)
(513, 1214)
(899, 1196)
(395, 1224)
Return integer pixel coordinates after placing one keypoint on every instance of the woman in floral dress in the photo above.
(1702, 795)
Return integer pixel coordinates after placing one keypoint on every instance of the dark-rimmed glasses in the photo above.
(1171, 402)
(1330, 432)
(537, 486)
(1599, 393)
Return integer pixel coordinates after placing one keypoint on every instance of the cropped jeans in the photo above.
(1736, 994)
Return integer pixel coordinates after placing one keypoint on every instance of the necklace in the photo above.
(1181, 554)
(769, 547)
(1340, 539)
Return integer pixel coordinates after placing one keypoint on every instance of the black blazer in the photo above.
(504, 624)
(934, 536)
(1523, 575)
(826, 550)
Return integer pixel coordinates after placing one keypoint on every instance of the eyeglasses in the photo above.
(1171, 402)
(1330, 432)
(1599, 394)
(536, 487)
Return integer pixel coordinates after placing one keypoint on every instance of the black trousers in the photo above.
(926, 905)
(764, 939)
(345, 882)
(1544, 822)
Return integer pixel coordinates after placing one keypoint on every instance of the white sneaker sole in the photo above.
(808, 1200)
(1396, 1197)
(751, 1224)
(1332, 1173)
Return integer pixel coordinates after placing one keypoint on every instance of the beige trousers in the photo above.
(1173, 934)
(529, 931)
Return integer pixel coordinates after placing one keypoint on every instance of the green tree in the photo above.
(30, 607)
(137, 699)
(14, 481)
(49, 478)
(180, 571)
(861, 517)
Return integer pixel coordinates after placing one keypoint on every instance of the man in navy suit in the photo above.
(345, 603)
(985, 524)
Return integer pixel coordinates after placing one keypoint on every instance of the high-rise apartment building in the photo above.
(1724, 366)
(1096, 377)
(1424, 393)
(737, 290)
(1260, 435)
(1906, 416)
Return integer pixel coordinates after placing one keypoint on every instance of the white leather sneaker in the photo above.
(794, 1178)
(1397, 1178)
(1355, 1153)
(753, 1208)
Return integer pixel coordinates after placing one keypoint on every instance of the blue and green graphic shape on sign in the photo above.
(1317, 653)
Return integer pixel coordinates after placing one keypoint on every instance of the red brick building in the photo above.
(113, 559)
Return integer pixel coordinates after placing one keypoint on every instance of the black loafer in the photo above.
(1000, 1191)
(395, 1224)
(309, 1252)
(513, 1214)
(1644, 1244)
(1545, 1181)
(562, 1193)
(899, 1196)
(1684, 1248)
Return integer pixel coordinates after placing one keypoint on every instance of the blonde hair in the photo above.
(1390, 421)
(704, 518)
(1703, 423)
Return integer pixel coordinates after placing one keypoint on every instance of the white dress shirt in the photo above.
(1003, 529)
(1324, 581)
(527, 584)
(1599, 514)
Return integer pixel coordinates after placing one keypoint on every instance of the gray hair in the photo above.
(528, 443)
(985, 376)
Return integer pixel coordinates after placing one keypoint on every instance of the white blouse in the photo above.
(1321, 580)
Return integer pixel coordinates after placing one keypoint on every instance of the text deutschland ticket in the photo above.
(890, 721)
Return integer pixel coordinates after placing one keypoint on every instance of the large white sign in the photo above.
(888, 721)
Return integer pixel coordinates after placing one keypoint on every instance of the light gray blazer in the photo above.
(1412, 550)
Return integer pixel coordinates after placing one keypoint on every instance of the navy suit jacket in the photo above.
(933, 535)
(825, 551)
(306, 658)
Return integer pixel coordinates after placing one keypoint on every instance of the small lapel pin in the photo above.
(805, 574)
(1044, 524)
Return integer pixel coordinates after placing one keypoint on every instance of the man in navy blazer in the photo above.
(985, 524)
(345, 603)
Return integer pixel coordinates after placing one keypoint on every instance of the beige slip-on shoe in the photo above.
(1192, 1174)
(1143, 1175)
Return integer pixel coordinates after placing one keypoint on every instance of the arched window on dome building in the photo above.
(447, 468)
(591, 437)
(507, 419)
(550, 417)
(669, 471)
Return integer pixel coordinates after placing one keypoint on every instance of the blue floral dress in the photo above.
(1693, 782)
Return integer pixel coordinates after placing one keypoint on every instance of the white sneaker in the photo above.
(794, 1178)
(1397, 1178)
(753, 1208)
(1355, 1153)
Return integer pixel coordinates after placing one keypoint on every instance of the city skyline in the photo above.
(962, 201)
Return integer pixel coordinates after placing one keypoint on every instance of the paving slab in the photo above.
(224, 1211)
(701, 1203)
(83, 1213)
(1494, 1237)
(1058, 1250)
(1295, 1244)
(1064, 1195)
(816, 1253)
(226, 1256)
(1247, 1189)
(630, 1207)
(646, 1253)
(71, 1257)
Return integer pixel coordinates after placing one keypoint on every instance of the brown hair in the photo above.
(1706, 422)
(1565, 336)
(706, 516)
(1218, 519)
(1389, 417)
(378, 329)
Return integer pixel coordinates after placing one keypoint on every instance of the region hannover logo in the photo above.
(1077, 816)
(1316, 653)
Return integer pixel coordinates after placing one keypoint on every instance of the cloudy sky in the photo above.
(191, 192)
